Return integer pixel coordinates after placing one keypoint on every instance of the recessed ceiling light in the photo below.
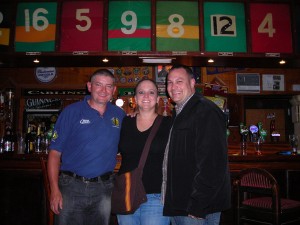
(105, 60)
(282, 62)
(36, 61)
(210, 60)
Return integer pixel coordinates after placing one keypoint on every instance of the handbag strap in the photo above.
(148, 142)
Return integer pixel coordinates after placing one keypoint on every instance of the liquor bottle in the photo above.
(2, 106)
(1, 144)
(29, 142)
(8, 140)
(38, 138)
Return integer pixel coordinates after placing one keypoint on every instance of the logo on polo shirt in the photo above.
(85, 121)
(115, 121)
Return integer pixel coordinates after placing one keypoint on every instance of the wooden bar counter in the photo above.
(22, 195)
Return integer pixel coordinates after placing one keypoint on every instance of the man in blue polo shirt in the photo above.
(83, 155)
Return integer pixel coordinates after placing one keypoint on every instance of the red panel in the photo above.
(271, 28)
(81, 26)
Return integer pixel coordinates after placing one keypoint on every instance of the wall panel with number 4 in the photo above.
(271, 28)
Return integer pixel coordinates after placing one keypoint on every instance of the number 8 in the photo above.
(175, 29)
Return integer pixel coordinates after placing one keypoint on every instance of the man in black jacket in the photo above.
(196, 179)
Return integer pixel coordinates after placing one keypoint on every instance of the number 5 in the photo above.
(80, 17)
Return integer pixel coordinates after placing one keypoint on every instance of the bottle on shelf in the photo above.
(274, 134)
(8, 140)
(1, 144)
(29, 141)
(38, 138)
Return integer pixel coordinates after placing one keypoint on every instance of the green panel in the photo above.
(225, 43)
(188, 11)
(170, 44)
(35, 47)
(128, 44)
(49, 6)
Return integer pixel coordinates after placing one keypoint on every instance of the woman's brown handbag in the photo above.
(128, 192)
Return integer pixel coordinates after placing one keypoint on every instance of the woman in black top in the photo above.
(134, 133)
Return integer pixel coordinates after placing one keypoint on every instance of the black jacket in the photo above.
(198, 180)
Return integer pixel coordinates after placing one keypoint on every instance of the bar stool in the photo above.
(50, 214)
(258, 200)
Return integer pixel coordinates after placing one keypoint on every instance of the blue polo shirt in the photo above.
(88, 141)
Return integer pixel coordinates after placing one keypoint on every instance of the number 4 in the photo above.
(266, 25)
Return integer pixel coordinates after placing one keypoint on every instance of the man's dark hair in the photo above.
(186, 68)
(103, 72)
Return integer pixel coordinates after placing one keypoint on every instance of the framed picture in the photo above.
(163, 70)
(272, 82)
(161, 73)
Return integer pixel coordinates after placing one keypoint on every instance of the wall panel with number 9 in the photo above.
(129, 26)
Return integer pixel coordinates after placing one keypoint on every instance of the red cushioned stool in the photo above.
(258, 200)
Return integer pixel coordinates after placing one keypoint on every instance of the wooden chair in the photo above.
(50, 214)
(258, 200)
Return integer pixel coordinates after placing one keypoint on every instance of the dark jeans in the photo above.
(84, 203)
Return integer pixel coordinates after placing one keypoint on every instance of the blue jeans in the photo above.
(210, 219)
(84, 202)
(149, 213)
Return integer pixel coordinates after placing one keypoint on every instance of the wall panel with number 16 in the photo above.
(36, 27)
(81, 26)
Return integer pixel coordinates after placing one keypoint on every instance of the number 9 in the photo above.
(132, 22)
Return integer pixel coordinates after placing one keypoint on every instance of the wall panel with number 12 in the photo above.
(129, 26)
(177, 26)
(270, 28)
(5, 25)
(224, 27)
(36, 27)
(81, 26)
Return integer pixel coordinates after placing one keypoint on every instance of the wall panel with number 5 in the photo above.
(271, 28)
(36, 27)
(129, 26)
(224, 27)
(81, 26)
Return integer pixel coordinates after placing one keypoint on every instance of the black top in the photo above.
(131, 144)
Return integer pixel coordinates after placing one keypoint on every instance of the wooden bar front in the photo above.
(23, 200)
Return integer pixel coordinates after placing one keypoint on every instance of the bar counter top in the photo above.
(270, 158)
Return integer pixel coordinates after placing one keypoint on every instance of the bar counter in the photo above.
(22, 194)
